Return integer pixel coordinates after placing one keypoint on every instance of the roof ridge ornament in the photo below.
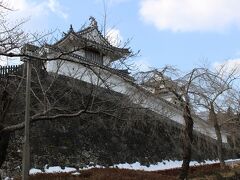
(93, 22)
(70, 29)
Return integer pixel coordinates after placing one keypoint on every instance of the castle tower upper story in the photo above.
(90, 44)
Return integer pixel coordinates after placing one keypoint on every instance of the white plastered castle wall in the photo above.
(106, 79)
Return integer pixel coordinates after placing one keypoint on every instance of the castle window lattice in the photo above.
(94, 56)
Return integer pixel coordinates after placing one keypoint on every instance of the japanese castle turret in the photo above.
(78, 49)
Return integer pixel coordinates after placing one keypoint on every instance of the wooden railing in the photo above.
(11, 70)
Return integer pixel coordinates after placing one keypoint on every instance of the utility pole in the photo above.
(26, 147)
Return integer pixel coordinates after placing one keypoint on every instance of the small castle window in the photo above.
(94, 56)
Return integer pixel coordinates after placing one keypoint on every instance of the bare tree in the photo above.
(50, 99)
(180, 88)
(211, 87)
(49, 102)
(228, 118)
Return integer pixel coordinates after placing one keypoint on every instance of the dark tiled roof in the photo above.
(105, 45)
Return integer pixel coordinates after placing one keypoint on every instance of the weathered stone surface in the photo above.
(135, 135)
(103, 142)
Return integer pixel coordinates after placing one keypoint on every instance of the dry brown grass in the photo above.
(104, 174)
(212, 171)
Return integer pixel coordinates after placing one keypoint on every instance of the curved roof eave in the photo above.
(123, 51)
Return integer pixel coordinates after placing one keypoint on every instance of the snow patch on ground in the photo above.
(232, 160)
(91, 167)
(56, 169)
(76, 173)
(159, 166)
(35, 171)
(134, 166)
(7, 178)
(53, 169)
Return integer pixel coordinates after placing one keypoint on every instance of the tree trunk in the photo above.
(4, 141)
(5, 102)
(234, 144)
(187, 142)
(213, 118)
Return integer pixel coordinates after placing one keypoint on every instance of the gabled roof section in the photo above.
(92, 33)
(91, 37)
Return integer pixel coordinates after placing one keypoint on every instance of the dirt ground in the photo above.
(210, 172)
